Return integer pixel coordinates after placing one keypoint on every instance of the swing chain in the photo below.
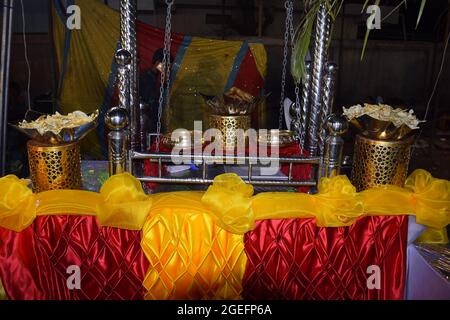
(165, 75)
(289, 9)
(300, 135)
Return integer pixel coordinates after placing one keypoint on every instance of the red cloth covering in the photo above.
(33, 263)
(295, 259)
(287, 259)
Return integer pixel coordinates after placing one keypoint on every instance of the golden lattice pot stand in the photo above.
(380, 162)
(54, 166)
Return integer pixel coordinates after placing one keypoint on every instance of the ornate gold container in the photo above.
(54, 166)
(378, 162)
(228, 126)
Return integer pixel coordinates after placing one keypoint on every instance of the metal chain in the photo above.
(165, 75)
(289, 10)
(300, 135)
(305, 103)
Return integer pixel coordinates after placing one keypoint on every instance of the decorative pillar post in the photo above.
(117, 121)
(128, 39)
(329, 85)
(320, 53)
(337, 125)
(117, 118)
(305, 103)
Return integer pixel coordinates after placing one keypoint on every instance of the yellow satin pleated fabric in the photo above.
(190, 256)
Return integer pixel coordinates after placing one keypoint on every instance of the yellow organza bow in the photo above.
(431, 198)
(229, 199)
(17, 203)
(337, 202)
(121, 203)
(430, 195)
(124, 203)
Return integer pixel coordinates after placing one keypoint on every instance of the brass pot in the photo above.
(54, 166)
(379, 162)
(276, 137)
(228, 126)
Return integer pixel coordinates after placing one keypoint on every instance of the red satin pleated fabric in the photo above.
(33, 263)
(295, 259)
(287, 259)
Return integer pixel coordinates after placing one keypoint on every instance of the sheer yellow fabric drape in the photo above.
(121, 203)
(337, 203)
(230, 202)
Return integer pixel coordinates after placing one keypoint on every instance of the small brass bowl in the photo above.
(378, 129)
(276, 137)
(184, 139)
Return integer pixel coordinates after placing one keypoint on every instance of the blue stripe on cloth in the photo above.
(106, 104)
(60, 10)
(236, 65)
(179, 58)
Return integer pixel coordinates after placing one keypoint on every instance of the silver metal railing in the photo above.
(203, 161)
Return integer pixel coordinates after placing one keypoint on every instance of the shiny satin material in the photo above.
(295, 259)
(33, 263)
(190, 252)
(190, 256)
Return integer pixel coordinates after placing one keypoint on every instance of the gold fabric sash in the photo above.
(336, 204)
(122, 202)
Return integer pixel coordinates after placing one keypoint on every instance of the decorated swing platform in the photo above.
(228, 241)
